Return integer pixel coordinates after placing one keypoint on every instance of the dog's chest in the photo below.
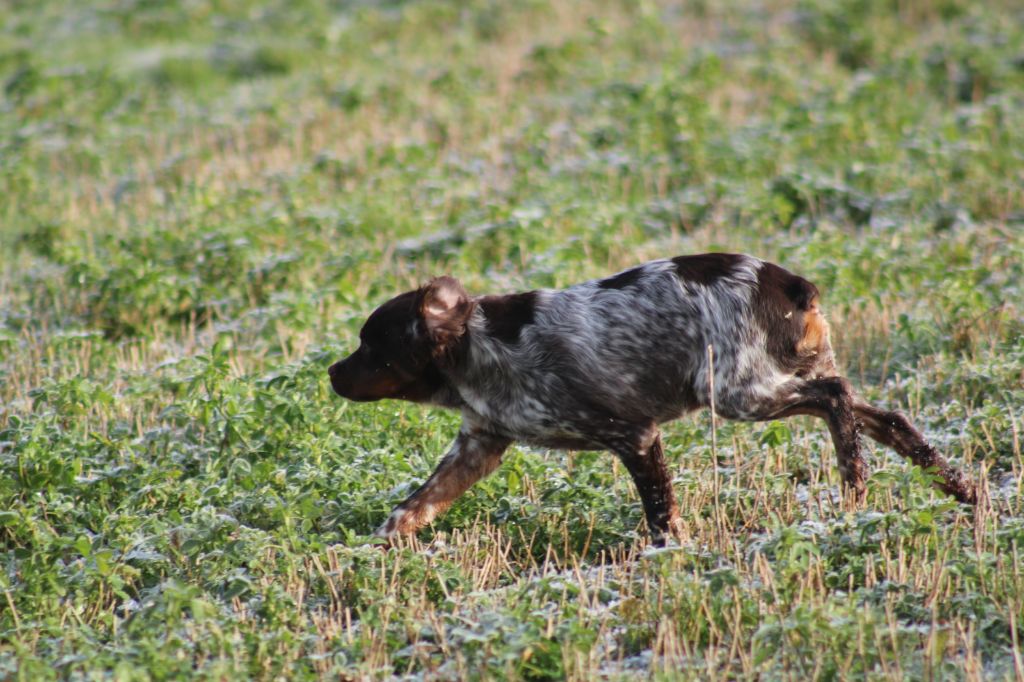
(537, 410)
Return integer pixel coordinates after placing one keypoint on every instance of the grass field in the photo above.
(201, 201)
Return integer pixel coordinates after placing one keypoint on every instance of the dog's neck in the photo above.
(484, 368)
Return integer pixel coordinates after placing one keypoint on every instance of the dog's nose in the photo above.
(332, 370)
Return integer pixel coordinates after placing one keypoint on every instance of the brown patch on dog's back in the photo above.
(621, 280)
(706, 268)
(507, 315)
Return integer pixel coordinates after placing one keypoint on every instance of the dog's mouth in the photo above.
(343, 384)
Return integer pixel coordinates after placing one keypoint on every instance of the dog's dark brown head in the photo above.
(404, 343)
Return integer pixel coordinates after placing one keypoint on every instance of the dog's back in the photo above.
(635, 345)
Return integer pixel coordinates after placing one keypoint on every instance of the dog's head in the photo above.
(404, 343)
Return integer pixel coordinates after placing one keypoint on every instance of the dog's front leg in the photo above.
(472, 456)
(645, 460)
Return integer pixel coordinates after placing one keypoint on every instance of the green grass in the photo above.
(200, 202)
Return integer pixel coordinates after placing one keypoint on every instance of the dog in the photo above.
(599, 365)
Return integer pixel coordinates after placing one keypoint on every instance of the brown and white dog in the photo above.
(601, 364)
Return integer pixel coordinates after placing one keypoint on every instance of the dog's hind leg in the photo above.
(895, 431)
(830, 399)
(471, 457)
(644, 458)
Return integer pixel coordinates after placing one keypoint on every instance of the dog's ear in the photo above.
(445, 308)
